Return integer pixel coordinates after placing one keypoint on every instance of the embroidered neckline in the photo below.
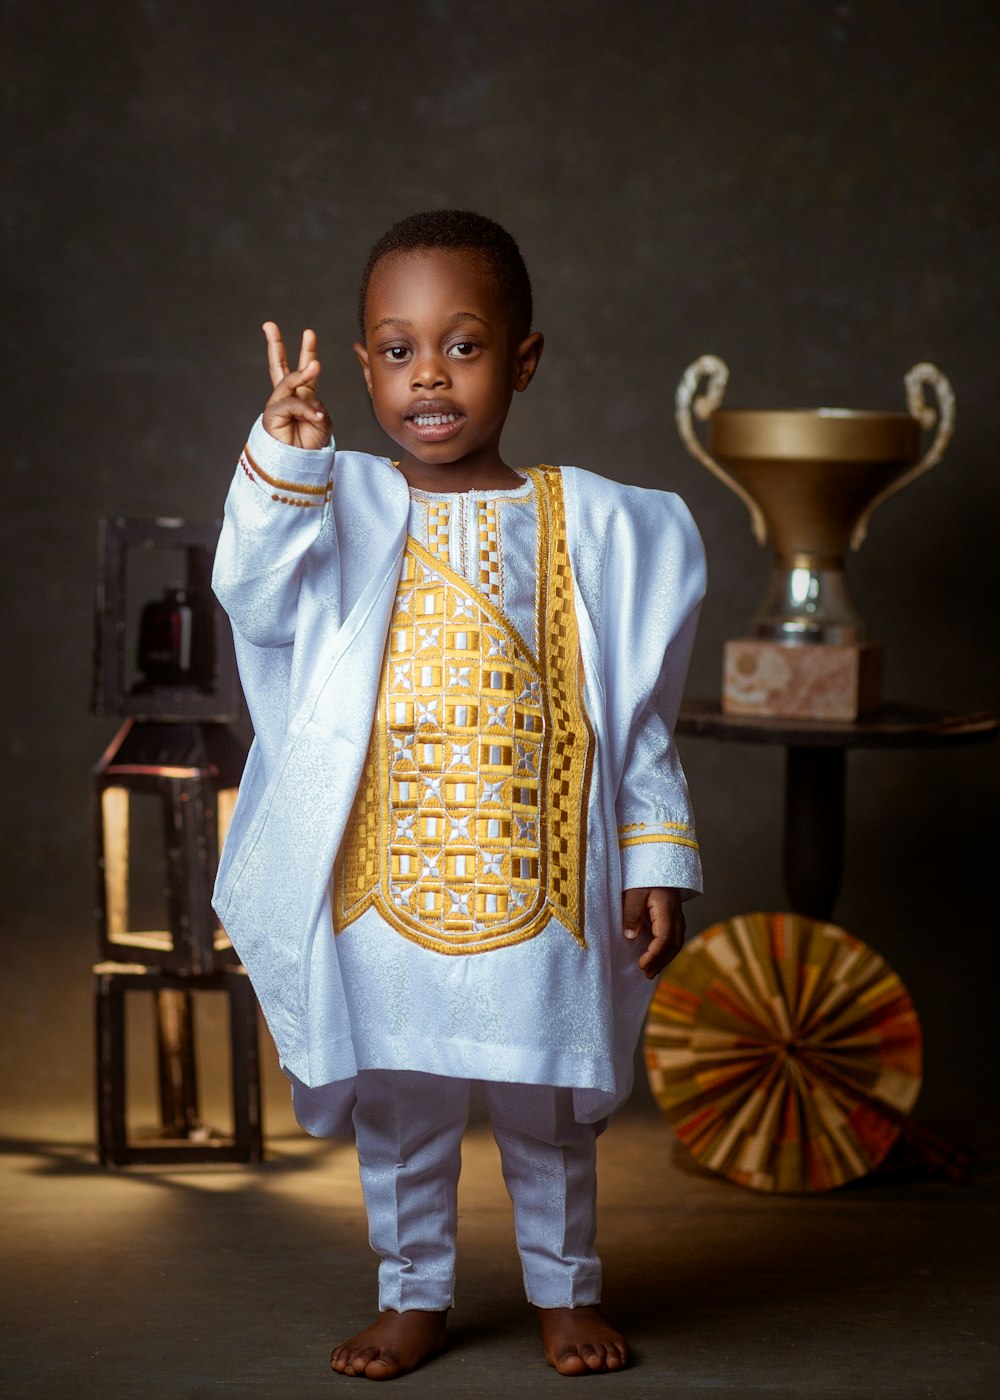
(485, 494)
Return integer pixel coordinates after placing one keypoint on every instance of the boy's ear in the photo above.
(362, 355)
(526, 358)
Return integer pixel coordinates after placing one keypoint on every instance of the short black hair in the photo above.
(465, 230)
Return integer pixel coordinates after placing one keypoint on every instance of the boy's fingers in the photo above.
(668, 924)
(307, 353)
(665, 913)
(277, 364)
(306, 377)
(633, 911)
(660, 952)
(299, 382)
(281, 410)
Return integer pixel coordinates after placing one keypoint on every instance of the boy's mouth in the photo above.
(432, 421)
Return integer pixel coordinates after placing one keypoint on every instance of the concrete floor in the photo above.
(209, 1282)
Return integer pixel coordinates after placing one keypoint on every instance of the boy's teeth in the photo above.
(431, 420)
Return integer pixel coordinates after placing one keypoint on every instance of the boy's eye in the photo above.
(396, 353)
(463, 349)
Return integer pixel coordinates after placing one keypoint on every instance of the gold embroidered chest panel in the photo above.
(468, 830)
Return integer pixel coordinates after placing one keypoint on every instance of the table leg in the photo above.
(815, 780)
(176, 1061)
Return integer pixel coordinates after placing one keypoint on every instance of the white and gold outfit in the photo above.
(463, 708)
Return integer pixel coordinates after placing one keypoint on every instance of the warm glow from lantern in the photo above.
(115, 811)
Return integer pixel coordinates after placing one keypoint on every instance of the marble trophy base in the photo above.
(806, 681)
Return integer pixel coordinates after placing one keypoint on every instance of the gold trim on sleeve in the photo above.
(252, 469)
(661, 837)
(663, 826)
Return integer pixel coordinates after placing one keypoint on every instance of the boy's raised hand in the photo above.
(656, 912)
(293, 414)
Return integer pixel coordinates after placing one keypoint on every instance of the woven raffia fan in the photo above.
(784, 1053)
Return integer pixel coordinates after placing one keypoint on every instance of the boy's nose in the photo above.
(429, 372)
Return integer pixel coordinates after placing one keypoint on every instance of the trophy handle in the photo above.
(716, 371)
(917, 381)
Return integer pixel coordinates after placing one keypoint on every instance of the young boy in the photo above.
(462, 680)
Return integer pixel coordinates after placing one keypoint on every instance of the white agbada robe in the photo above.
(482, 959)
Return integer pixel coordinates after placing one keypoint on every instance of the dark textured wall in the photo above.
(808, 190)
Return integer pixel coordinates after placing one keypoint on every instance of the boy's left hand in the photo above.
(656, 912)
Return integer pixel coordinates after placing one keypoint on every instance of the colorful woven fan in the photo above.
(784, 1053)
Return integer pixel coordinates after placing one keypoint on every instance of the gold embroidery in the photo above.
(570, 761)
(469, 826)
(641, 826)
(661, 837)
(655, 831)
(489, 566)
(438, 525)
(286, 500)
(296, 486)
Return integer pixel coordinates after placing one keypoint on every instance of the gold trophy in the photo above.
(811, 479)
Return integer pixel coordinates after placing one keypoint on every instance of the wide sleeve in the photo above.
(656, 621)
(277, 507)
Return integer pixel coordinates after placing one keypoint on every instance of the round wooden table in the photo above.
(816, 776)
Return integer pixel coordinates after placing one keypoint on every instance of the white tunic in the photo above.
(522, 655)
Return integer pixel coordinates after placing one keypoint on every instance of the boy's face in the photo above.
(440, 359)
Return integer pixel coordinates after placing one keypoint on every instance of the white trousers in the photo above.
(408, 1127)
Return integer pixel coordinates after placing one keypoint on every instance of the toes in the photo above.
(358, 1361)
(595, 1356)
(383, 1368)
(569, 1362)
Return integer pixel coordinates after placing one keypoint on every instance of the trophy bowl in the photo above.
(811, 479)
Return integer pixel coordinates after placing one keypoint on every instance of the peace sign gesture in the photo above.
(293, 414)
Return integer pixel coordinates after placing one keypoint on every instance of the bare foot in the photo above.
(580, 1341)
(395, 1343)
